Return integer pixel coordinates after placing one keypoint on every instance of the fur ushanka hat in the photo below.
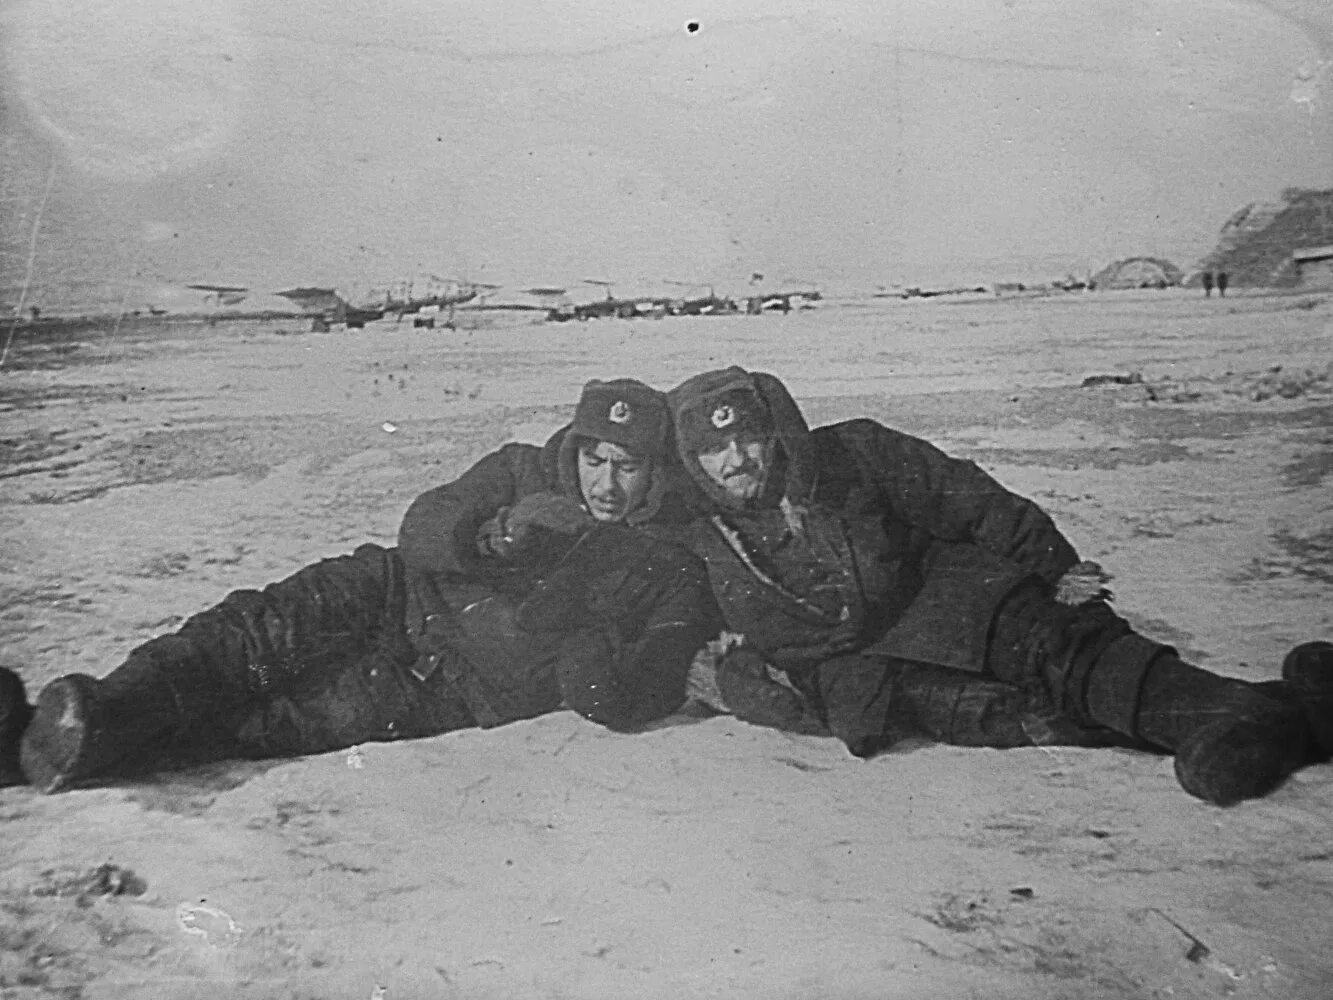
(631, 414)
(709, 409)
(626, 412)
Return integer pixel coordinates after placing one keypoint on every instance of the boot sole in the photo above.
(1309, 670)
(56, 740)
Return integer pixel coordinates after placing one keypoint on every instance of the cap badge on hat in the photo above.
(620, 412)
(723, 416)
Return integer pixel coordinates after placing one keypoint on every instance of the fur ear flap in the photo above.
(559, 460)
(787, 416)
(792, 431)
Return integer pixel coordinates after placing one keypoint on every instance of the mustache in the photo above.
(749, 468)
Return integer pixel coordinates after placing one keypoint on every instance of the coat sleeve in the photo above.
(438, 535)
(437, 541)
(625, 658)
(954, 500)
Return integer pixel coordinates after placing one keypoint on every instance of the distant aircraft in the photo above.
(330, 307)
(227, 295)
(431, 294)
(607, 307)
(411, 296)
(313, 300)
(701, 305)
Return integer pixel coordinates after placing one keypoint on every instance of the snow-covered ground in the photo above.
(147, 471)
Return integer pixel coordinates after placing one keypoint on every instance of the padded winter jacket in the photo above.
(866, 539)
(619, 658)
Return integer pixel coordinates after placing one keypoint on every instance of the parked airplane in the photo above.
(711, 304)
(418, 293)
(227, 295)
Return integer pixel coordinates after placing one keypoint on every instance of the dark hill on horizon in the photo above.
(1256, 243)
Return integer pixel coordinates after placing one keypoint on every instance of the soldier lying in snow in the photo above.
(884, 589)
(529, 583)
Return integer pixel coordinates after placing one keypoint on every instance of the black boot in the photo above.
(1231, 740)
(83, 726)
(1308, 670)
(14, 715)
(251, 646)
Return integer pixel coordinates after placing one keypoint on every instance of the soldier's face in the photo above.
(613, 479)
(739, 465)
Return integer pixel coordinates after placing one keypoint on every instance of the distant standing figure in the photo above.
(1222, 283)
(1207, 284)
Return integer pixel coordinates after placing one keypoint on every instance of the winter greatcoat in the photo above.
(625, 667)
(866, 545)
(435, 635)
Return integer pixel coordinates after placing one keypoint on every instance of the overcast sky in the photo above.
(275, 142)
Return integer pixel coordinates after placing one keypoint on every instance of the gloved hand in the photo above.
(701, 680)
(513, 527)
(750, 692)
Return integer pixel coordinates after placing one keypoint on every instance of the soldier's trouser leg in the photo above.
(251, 645)
(1231, 739)
(374, 698)
(970, 710)
(872, 702)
